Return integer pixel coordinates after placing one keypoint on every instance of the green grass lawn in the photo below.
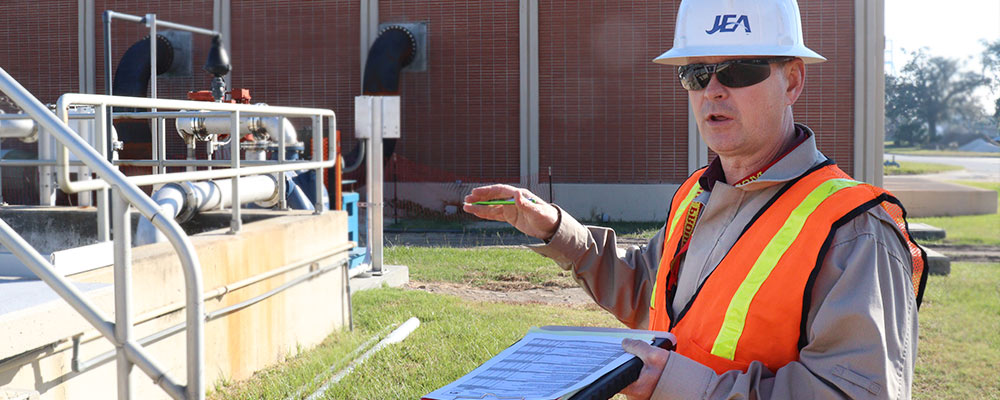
(969, 229)
(959, 348)
(959, 351)
(912, 150)
(479, 267)
(918, 168)
(454, 337)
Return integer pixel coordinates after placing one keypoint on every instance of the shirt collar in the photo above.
(788, 166)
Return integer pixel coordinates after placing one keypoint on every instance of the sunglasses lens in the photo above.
(734, 74)
(695, 77)
(740, 74)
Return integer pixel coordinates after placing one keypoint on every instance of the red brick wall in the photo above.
(607, 113)
(41, 54)
(827, 104)
(461, 116)
(299, 54)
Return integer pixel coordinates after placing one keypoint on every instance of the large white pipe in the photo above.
(181, 200)
(260, 127)
(25, 129)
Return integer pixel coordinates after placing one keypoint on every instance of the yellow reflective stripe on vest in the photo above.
(736, 314)
(678, 213)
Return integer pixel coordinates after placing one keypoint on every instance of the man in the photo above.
(779, 275)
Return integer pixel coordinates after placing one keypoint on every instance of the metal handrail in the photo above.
(195, 388)
(125, 192)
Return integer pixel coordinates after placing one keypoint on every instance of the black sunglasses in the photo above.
(732, 73)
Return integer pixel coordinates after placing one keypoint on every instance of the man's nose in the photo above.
(716, 90)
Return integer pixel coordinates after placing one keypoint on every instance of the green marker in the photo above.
(499, 202)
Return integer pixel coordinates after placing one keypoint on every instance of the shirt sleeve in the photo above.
(861, 330)
(620, 281)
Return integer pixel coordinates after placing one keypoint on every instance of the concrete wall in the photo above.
(621, 202)
(929, 198)
(236, 345)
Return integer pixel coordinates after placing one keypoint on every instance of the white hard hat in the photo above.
(738, 28)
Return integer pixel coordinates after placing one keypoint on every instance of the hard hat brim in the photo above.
(681, 56)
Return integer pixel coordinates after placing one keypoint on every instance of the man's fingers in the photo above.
(494, 213)
(491, 192)
(653, 360)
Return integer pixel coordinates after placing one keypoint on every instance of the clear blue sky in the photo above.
(950, 28)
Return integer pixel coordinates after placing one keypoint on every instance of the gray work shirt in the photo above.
(862, 320)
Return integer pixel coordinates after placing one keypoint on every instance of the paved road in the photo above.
(976, 168)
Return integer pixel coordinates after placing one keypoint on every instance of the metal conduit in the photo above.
(83, 366)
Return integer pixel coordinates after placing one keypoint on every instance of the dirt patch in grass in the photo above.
(966, 252)
(510, 293)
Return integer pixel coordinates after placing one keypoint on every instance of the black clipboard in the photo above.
(613, 382)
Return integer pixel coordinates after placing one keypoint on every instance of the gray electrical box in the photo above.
(379, 113)
(419, 31)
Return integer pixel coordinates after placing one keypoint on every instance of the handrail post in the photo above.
(234, 157)
(123, 290)
(280, 177)
(100, 126)
(318, 156)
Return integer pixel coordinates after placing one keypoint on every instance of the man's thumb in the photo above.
(637, 347)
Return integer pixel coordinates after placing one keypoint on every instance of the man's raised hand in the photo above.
(528, 214)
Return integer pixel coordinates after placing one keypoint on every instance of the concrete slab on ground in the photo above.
(937, 263)
(921, 231)
(392, 276)
(923, 197)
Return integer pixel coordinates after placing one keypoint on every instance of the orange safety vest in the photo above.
(754, 304)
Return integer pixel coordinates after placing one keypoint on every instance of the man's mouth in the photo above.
(718, 117)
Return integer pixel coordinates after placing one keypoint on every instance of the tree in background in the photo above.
(929, 91)
(901, 120)
(991, 71)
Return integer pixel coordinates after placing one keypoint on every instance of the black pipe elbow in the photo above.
(132, 79)
(132, 73)
(393, 50)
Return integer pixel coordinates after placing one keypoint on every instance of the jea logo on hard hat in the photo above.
(725, 23)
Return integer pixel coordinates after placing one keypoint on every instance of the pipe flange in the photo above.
(413, 41)
(189, 207)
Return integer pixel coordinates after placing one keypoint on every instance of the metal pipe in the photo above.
(294, 165)
(24, 129)
(189, 262)
(282, 139)
(234, 156)
(84, 366)
(36, 163)
(172, 114)
(260, 127)
(317, 147)
(169, 25)
(103, 142)
(107, 17)
(140, 102)
(181, 201)
(199, 163)
(26, 117)
(142, 360)
(156, 144)
(123, 291)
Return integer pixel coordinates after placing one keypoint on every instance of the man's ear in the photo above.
(794, 73)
